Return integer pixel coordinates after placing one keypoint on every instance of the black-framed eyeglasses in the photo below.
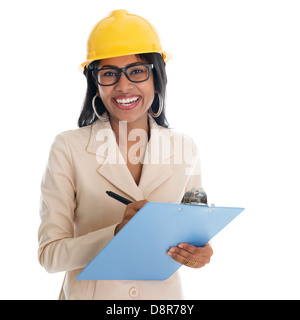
(109, 76)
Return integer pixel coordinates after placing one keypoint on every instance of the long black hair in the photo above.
(87, 115)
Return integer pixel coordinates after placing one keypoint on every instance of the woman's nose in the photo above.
(123, 84)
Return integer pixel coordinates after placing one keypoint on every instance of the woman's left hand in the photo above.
(191, 256)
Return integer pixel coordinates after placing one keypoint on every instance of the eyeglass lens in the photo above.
(109, 76)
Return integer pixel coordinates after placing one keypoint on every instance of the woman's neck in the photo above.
(122, 130)
(132, 144)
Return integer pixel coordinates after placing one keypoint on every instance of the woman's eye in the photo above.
(109, 74)
(136, 71)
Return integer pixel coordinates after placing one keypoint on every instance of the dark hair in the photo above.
(87, 115)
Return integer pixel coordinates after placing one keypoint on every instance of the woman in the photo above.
(117, 148)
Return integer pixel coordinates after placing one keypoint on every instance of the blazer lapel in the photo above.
(156, 164)
(112, 165)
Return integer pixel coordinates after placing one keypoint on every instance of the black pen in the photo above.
(119, 198)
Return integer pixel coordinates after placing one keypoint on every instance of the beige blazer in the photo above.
(78, 218)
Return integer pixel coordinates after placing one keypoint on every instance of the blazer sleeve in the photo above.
(58, 249)
(195, 179)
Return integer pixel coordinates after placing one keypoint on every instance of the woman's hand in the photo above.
(197, 257)
(131, 210)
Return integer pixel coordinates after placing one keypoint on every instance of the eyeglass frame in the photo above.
(150, 66)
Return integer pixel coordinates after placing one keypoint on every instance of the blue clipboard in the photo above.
(139, 250)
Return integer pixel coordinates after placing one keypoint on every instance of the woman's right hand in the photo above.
(131, 210)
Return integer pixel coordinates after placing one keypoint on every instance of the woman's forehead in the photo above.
(120, 62)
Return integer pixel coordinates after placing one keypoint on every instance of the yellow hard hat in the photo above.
(122, 34)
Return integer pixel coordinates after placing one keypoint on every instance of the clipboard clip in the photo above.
(195, 196)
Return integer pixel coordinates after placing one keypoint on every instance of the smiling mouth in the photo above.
(127, 103)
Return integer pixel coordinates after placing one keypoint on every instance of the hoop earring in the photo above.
(106, 117)
(160, 108)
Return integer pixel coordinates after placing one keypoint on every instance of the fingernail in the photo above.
(172, 250)
(169, 253)
(180, 245)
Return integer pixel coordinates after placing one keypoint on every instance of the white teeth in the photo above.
(127, 101)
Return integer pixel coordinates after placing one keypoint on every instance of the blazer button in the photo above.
(133, 292)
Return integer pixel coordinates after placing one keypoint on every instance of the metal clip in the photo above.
(195, 196)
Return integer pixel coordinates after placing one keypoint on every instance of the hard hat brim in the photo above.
(166, 56)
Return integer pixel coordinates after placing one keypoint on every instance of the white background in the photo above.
(233, 86)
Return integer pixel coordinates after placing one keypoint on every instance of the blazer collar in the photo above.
(102, 143)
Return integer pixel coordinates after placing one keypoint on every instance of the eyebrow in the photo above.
(128, 65)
